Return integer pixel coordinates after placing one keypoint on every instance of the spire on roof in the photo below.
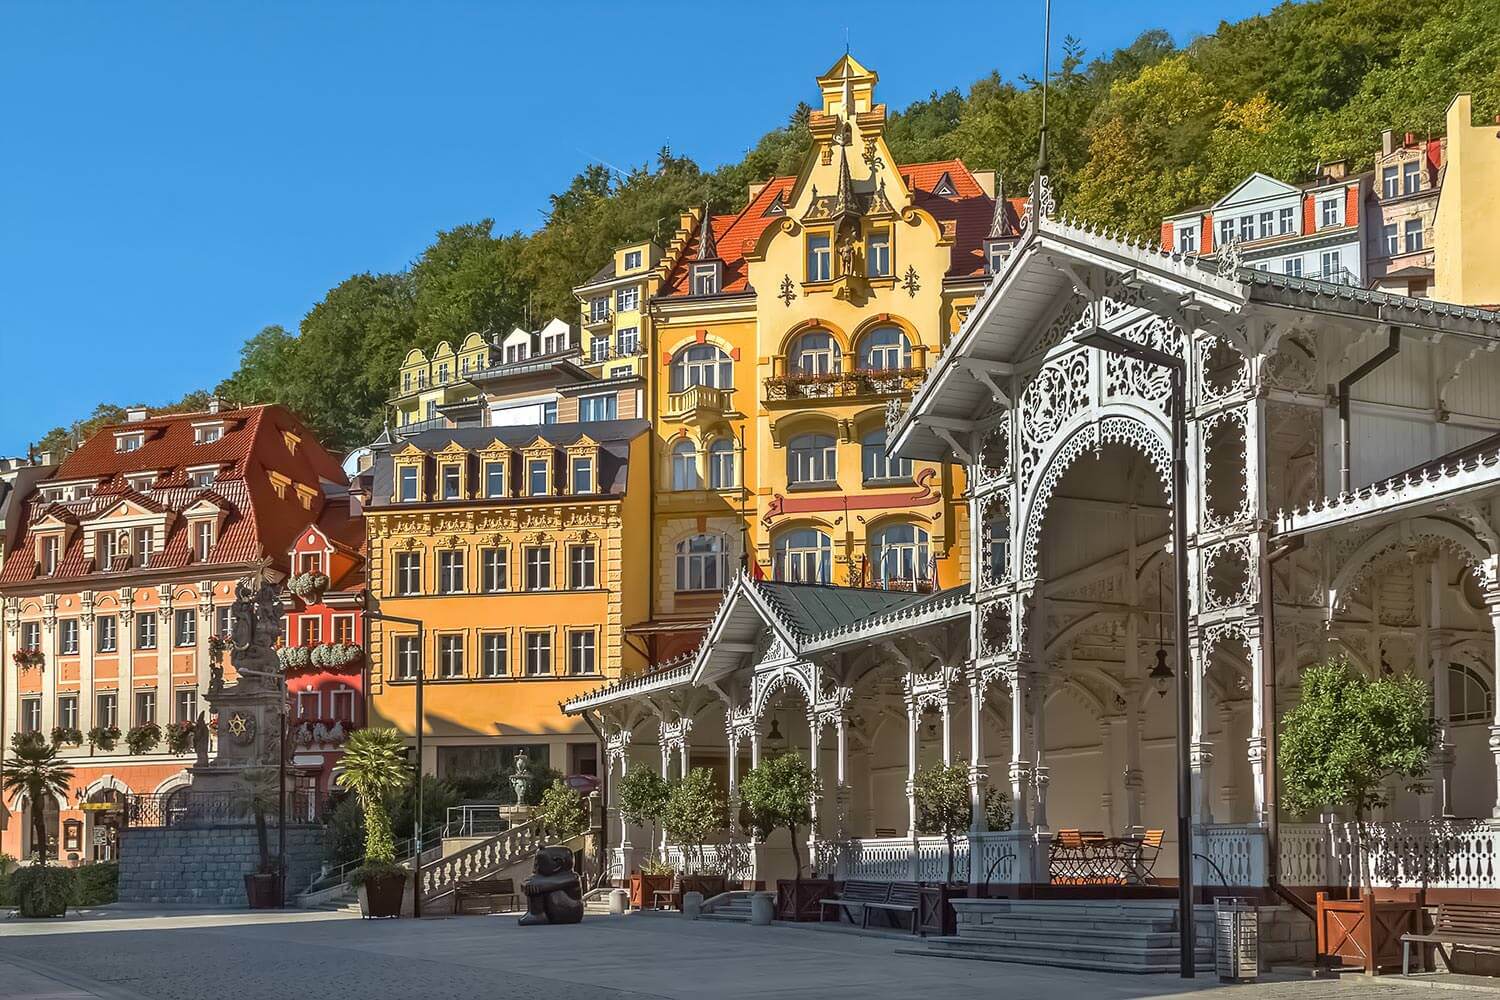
(999, 222)
(707, 248)
(843, 198)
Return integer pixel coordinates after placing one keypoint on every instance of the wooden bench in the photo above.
(1458, 925)
(886, 897)
(487, 888)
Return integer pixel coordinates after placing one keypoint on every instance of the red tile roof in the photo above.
(257, 520)
(967, 216)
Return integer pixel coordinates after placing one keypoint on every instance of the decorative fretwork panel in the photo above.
(1229, 577)
(1133, 377)
(1223, 371)
(1226, 495)
(1055, 393)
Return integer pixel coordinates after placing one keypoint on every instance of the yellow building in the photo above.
(778, 336)
(512, 546)
(1467, 262)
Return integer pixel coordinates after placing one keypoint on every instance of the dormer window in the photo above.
(207, 433)
(996, 253)
(706, 279)
(203, 540)
(1331, 216)
(538, 477)
(106, 549)
(129, 440)
(515, 352)
(581, 474)
(1187, 239)
(203, 476)
(945, 187)
(452, 482)
(50, 555)
(442, 375)
(632, 260)
(141, 480)
(406, 484)
(494, 478)
(142, 545)
(555, 342)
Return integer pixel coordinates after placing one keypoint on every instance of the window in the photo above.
(494, 478)
(495, 654)
(1286, 220)
(311, 562)
(700, 563)
(875, 464)
(343, 628)
(310, 630)
(632, 259)
(1331, 215)
(1187, 239)
(1332, 267)
(885, 349)
(819, 257)
(186, 705)
(31, 715)
(580, 567)
(1411, 177)
(552, 343)
(997, 251)
(31, 635)
(203, 540)
(599, 348)
(878, 254)
(450, 483)
(705, 279)
(815, 353)
(408, 657)
(407, 478)
(129, 442)
(207, 433)
(406, 382)
(549, 412)
(107, 709)
(1226, 232)
(145, 707)
(536, 477)
(721, 464)
(538, 654)
(811, 458)
(141, 481)
(203, 477)
(898, 554)
(145, 630)
(1469, 697)
(68, 641)
(685, 466)
(450, 656)
(701, 364)
(341, 704)
(67, 711)
(106, 638)
(627, 341)
(627, 299)
(581, 652)
(1267, 224)
(51, 548)
(1388, 183)
(998, 529)
(538, 567)
(308, 704)
(1292, 266)
(451, 571)
(1247, 228)
(141, 544)
(408, 572)
(516, 352)
(803, 555)
(598, 309)
(601, 407)
(494, 570)
(185, 630)
(106, 549)
(581, 473)
(1413, 233)
(224, 618)
(1392, 243)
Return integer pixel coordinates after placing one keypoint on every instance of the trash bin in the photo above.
(1236, 939)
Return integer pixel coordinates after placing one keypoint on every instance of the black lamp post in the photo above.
(416, 896)
(1161, 674)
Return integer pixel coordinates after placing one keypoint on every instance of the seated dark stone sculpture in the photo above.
(553, 892)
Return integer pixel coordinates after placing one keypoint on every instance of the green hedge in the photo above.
(97, 884)
(42, 890)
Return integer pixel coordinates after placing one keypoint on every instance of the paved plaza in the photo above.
(166, 955)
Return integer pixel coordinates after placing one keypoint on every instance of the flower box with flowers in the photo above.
(328, 657)
(310, 587)
(179, 736)
(28, 658)
(66, 736)
(143, 738)
(104, 737)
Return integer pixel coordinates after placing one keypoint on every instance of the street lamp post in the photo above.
(1177, 368)
(416, 896)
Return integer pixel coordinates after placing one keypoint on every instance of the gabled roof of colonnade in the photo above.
(1022, 301)
(804, 620)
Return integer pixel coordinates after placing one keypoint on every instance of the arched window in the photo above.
(803, 555)
(702, 364)
(874, 462)
(700, 563)
(811, 458)
(884, 349)
(814, 353)
(1469, 697)
(721, 464)
(899, 555)
(685, 467)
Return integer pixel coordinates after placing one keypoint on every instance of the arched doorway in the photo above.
(103, 811)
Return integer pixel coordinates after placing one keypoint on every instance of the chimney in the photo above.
(1335, 170)
(135, 415)
(1411, 140)
(215, 404)
(1388, 142)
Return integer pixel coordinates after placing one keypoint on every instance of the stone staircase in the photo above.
(1139, 936)
(733, 907)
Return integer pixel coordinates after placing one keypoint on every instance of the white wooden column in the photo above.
(1135, 781)
(1107, 796)
(1200, 749)
(1262, 675)
(841, 770)
(913, 720)
(1229, 778)
(1494, 605)
(1040, 773)
(947, 716)
(978, 822)
(1019, 787)
(814, 738)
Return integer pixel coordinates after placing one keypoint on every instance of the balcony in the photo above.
(844, 385)
(698, 402)
(597, 318)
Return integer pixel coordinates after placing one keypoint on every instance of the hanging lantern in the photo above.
(1161, 674)
(774, 737)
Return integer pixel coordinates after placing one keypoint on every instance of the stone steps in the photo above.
(734, 911)
(1143, 961)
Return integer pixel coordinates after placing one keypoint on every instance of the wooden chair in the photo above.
(1143, 867)
(1066, 859)
(674, 894)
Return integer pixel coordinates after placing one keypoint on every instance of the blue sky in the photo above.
(173, 177)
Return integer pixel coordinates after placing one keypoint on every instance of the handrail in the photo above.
(403, 857)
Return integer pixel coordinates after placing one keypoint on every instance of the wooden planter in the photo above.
(709, 885)
(643, 889)
(263, 890)
(936, 915)
(801, 902)
(382, 897)
(1366, 933)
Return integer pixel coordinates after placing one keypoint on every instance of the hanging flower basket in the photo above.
(28, 658)
(143, 739)
(310, 587)
(104, 737)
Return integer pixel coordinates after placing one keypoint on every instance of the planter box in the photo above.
(643, 889)
(264, 892)
(1366, 933)
(936, 915)
(709, 885)
(382, 897)
(800, 902)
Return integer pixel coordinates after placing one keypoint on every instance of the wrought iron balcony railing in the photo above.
(845, 385)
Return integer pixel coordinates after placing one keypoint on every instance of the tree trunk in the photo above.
(38, 823)
(262, 840)
(797, 868)
(1366, 877)
(949, 837)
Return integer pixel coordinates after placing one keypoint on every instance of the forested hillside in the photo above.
(1134, 135)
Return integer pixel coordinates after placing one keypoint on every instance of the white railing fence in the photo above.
(1437, 854)
(1232, 854)
(735, 860)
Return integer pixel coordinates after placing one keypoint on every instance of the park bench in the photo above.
(484, 888)
(1458, 925)
(886, 897)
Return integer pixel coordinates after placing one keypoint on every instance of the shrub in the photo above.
(97, 884)
(42, 890)
(695, 809)
(143, 739)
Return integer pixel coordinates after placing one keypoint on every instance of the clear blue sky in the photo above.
(173, 177)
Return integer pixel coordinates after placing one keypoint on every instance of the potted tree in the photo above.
(1346, 738)
(694, 809)
(374, 769)
(264, 886)
(643, 799)
(778, 792)
(35, 768)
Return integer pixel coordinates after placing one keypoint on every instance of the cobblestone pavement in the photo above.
(167, 954)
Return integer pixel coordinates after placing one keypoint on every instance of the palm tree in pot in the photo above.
(263, 887)
(35, 768)
(374, 769)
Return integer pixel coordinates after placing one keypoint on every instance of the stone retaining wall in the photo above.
(207, 865)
